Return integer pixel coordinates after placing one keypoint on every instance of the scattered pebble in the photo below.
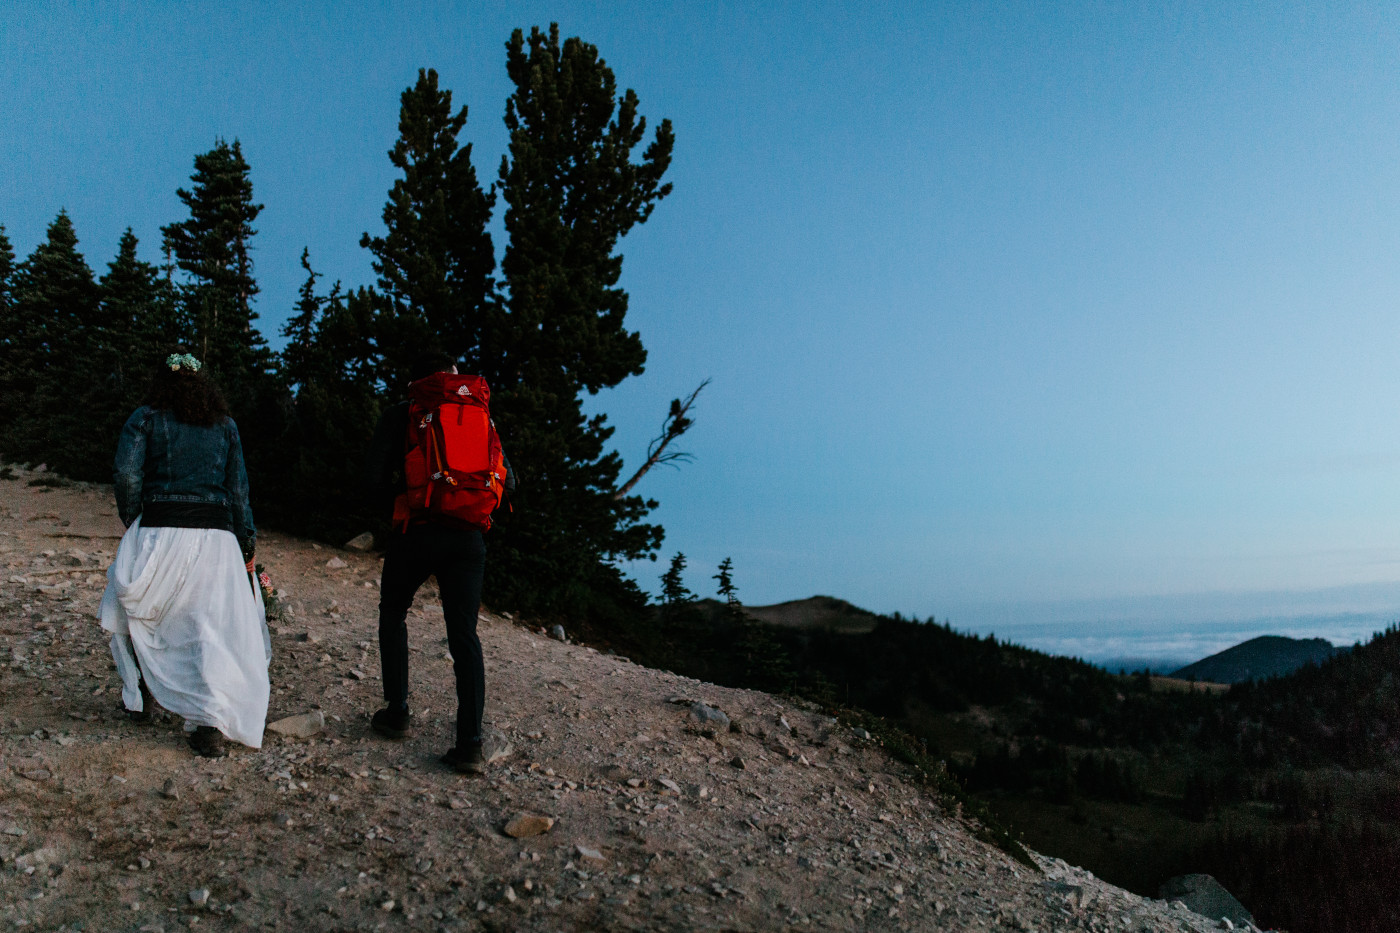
(591, 855)
(528, 824)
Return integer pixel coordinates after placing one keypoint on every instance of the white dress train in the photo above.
(181, 600)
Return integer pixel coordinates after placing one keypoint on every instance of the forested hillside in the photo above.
(1283, 789)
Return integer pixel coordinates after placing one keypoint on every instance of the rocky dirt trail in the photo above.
(659, 815)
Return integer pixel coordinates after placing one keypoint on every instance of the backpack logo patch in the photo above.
(463, 391)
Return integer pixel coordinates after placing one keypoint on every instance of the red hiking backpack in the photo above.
(453, 465)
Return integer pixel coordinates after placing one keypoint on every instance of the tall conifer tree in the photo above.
(435, 260)
(8, 335)
(7, 273)
(299, 356)
(328, 364)
(55, 319)
(572, 190)
(139, 323)
(213, 247)
(758, 659)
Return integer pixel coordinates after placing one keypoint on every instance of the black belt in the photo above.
(186, 515)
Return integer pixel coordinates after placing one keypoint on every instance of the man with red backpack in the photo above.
(438, 459)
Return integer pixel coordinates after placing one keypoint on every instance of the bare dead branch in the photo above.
(677, 422)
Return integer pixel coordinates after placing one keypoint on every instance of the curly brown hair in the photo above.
(191, 397)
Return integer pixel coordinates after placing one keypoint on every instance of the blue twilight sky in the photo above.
(1018, 314)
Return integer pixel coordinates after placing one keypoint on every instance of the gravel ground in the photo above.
(660, 816)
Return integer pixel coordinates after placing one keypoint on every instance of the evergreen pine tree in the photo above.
(673, 588)
(133, 333)
(139, 321)
(7, 272)
(726, 589)
(435, 260)
(213, 247)
(8, 334)
(299, 355)
(763, 662)
(685, 644)
(328, 364)
(572, 191)
(55, 316)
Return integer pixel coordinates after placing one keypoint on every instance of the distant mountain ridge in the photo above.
(1260, 658)
(817, 612)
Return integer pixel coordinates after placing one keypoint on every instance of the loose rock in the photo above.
(589, 855)
(37, 859)
(301, 726)
(495, 746)
(1206, 896)
(361, 542)
(705, 713)
(528, 824)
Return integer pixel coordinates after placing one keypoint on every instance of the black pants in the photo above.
(457, 559)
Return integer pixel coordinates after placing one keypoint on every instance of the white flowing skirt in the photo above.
(181, 599)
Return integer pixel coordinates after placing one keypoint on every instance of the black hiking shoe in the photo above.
(391, 722)
(207, 742)
(148, 706)
(469, 761)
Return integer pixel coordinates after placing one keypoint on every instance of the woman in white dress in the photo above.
(187, 623)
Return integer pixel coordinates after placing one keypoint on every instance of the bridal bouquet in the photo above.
(271, 603)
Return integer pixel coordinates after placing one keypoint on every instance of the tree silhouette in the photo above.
(435, 260)
(213, 247)
(572, 190)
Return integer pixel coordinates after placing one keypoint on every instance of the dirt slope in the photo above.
(107, 825)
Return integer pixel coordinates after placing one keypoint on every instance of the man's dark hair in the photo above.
(428, 362)
(191, 397)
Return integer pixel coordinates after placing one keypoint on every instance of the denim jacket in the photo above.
(183, 475)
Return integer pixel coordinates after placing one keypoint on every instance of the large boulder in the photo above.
(1207, 897)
